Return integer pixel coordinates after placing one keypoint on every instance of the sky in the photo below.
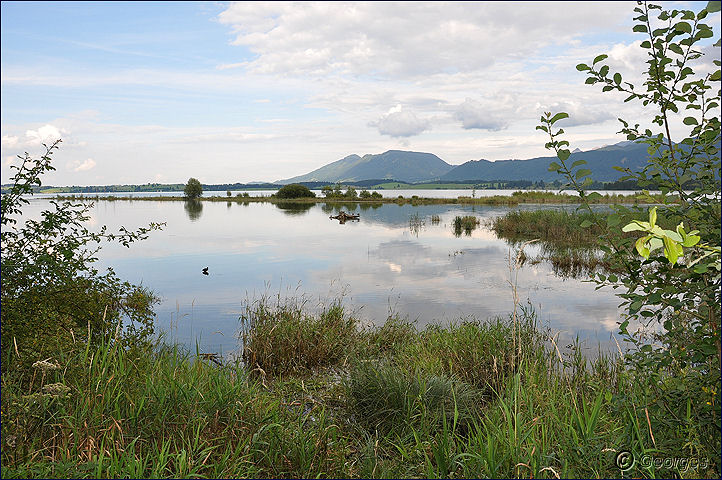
(145, 92)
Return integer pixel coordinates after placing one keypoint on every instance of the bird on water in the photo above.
(205, 271)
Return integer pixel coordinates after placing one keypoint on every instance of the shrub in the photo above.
(193, 189)
(671, 277)
(295, 190)
(51, 293)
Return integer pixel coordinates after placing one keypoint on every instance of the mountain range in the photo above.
(417, 167)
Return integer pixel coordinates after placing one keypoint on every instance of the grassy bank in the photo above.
(317, 395)
(519, 197)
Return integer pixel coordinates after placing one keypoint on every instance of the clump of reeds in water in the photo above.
(416, 223)
(435, 219)
(558, 226)
(284, 338)
(465, 224)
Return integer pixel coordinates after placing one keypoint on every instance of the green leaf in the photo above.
(634, 227)
(641, 246)
(582, 67)
(579, 162)
(585, 224)
(617, 78)
(690, 121)
(671, 250)
(713, 7)
(653, 217)
(640, 28)
(558, 116)
(691, 240)
(672, 235)
(683, 27)
(583, 172)
(599, 58)
(563, 154)
(655, 243)
(613, 220)
(554, 166)
(676, 49)
(701, 268)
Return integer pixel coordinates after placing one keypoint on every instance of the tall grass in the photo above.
(475, 399)
(284, 338)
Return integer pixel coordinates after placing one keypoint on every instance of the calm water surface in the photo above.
(378, 265)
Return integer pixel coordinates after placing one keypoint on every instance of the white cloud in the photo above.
(401, 123)
(473, 114)
(45, 134)
(399, 38)
(579, 114)
(9, 141)
(82, 166)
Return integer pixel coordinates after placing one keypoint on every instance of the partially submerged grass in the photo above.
(475, 399)
(571, 249)
(465, 224)
(561, 227)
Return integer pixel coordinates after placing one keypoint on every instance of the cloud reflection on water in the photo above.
(377, 263)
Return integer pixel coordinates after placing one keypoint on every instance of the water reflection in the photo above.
(294, 208)
(194, 209)
(379, 264)
(465, 224)
(416, 223)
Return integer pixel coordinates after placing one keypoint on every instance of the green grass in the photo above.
(561, 227)
(571, 249)
(472, 399)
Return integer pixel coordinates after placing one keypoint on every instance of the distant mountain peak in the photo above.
(397, 164)
(416, 167)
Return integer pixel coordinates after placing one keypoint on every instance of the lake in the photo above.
(379, 265)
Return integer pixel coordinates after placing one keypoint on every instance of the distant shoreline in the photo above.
(364, 184)
(518, 197)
